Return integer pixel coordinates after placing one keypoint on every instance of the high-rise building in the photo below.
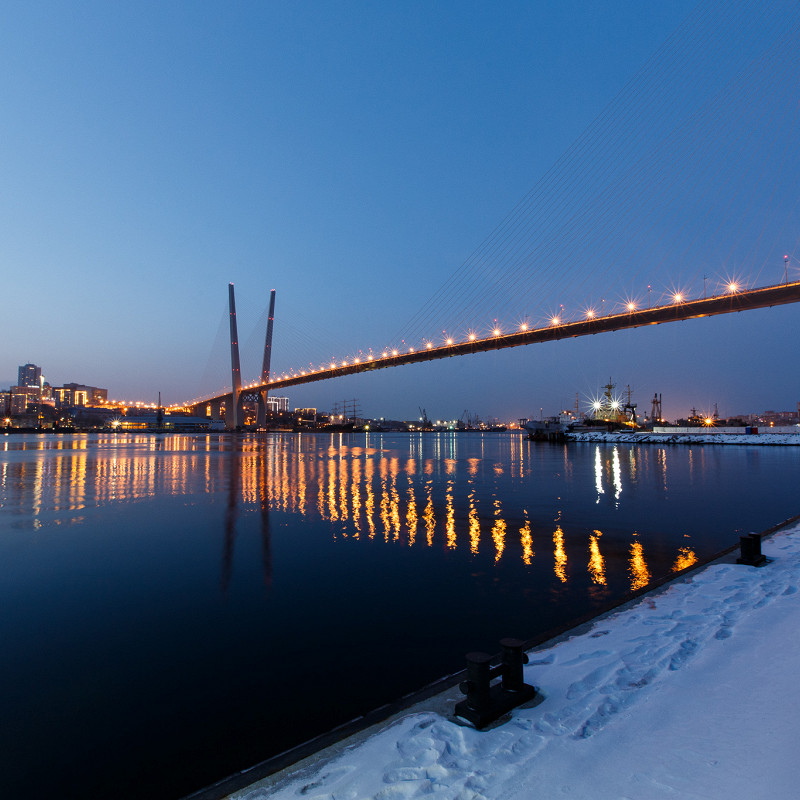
(29, 375)
(277, 404)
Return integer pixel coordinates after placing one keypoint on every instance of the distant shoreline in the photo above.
(648, 437)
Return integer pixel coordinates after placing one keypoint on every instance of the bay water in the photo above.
(179, 607)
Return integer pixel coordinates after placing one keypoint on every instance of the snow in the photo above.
(617, 437)
(690, 692)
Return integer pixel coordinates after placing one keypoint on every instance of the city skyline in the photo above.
(350, 157)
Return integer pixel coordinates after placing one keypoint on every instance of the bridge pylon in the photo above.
(233, 419)
(265, 364)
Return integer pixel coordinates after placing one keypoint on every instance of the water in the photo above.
(176, 608)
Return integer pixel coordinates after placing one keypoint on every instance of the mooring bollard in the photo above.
(486, 702)
(513, 661)
(750, 548)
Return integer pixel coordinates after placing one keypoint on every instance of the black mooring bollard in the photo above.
(750, 548)
(486, 702)
(513, 661)
(477, 685)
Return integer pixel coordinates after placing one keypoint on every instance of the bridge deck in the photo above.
(764, 297)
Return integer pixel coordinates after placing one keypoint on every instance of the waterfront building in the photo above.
(29, 375)
(22, 396)
(277, 404)
(78, 395)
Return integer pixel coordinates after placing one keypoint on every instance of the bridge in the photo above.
(692, 168)
(735, 299)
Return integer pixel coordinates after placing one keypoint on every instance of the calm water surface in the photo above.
(176, 608)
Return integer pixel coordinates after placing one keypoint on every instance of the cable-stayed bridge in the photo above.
(690, 172)
(733, 300)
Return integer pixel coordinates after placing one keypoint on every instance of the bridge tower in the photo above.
(265, 364)
(232, 419)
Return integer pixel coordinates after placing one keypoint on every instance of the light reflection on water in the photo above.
(362, 488)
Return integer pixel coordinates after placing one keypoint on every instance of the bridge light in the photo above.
(496, 331)
(732, 287)
(394, 352)
(677, 297)
(333, 365)
(524, 326)
(356, 360)
(369, 357)
(429, 345)
(344, 363)
(554, 321)
(384, 354)
(410, 349)
(631, 306)
(472, 337)
(590, 313)
(449, 341)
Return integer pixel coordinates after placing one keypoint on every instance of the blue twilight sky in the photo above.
(353, 156)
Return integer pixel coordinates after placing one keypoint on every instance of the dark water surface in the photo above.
(176, 608)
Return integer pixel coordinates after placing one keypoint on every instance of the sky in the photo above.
(357, 157)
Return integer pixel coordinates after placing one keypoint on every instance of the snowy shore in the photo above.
(688, 692)
(644, 437)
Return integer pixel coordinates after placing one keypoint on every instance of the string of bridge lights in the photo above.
(629, 305)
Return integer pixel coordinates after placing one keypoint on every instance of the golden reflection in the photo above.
(560, 554)
(637, 566)
(333, 511)
(686, 558)
(302, 468)
(365, 489)
(369, 503)
(498, 532)
(597, 564)
(411, 515)
(344, 510)
(450, 519)
(355, 497)
(394, 499)
(474, 524)
(526, 540)
(429, 516)
(385, 506)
